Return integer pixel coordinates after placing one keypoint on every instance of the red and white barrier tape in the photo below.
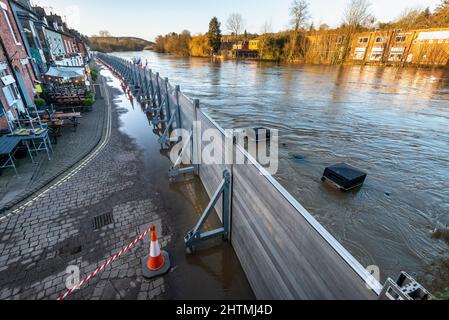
(93, 274)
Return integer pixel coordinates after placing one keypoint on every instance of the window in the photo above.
(400, 39)
(2, 111)
(376, 54)
(10, 94)
(4, 8)
(381, 40)
(395, 57)
(363, 40)
(359, 53)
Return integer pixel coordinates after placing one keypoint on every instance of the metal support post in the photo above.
(224, 191)
(175, 170)
(405, 288)
(196, 145)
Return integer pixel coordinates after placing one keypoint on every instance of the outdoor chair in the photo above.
(35, 137)
(54, 126)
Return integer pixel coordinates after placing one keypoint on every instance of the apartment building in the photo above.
(420, 47)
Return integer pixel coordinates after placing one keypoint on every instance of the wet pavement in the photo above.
(128, 180)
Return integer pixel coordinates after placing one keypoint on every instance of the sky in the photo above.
(148, 18)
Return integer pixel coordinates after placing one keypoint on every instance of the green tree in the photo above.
(214, 34)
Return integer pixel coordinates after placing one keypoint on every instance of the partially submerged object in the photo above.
(344, 176)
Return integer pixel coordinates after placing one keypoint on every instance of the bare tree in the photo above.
(358, 14)
(300, 16)
(267, 27)
(235, 24)
(104, 33)
(264, 38)
(408, 18)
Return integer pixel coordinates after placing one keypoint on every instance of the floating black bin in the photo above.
(344, 176)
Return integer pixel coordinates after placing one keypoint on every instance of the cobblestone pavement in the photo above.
(70, 149)
(40, 241)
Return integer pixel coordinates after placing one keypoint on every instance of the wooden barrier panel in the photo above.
(211, 174)
(283, 256)
(187, 112)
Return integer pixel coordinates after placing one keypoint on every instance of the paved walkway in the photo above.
(40, 238)
(71, 148)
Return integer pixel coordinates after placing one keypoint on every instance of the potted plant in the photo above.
(94, 74)
(89, 102)
(40, 103)
(89, 95)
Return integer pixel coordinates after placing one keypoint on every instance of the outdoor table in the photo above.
(71, 117)
(8, 147)
(40, 136)
(54, 129)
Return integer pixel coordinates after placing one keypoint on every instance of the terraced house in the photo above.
(416, 47)
(31, 43)
(32, 30)
(388, 47)
(16, 73)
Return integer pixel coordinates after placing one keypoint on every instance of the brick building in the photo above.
(16, 74)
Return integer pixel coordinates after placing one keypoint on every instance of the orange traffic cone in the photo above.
(156, 259)
(158, 262)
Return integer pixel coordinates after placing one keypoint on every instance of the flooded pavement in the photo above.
(72, 227)
(390, 122)
(215, 266)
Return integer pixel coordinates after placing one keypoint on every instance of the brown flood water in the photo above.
(392, 123)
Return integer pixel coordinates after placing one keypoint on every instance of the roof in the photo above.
(18, 4)
(65, 72)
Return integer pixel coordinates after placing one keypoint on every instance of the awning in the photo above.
(65, 72)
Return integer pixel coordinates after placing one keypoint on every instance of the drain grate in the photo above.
(103, 220)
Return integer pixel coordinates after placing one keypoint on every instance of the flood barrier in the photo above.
(284, 251)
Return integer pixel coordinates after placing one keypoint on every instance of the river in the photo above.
(392, 123)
